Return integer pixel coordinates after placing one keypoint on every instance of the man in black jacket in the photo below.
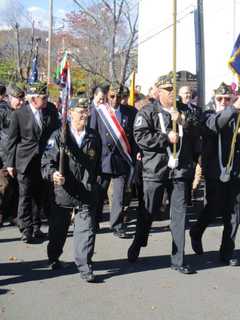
(75, 189)
(9, 186)
(155, 137)
(114, 165)
(29, 131)
(222, 187)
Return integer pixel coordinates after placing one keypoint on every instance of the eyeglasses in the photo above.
(226, 99)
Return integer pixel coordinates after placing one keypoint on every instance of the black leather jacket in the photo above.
(81, 167)
(153, 143)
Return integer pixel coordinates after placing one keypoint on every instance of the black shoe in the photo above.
(230, 262)
(120, 233)
(27, 238)
(38, 234)
(57, 265)
(196, 244)
(133, 252)
(185, 269)
(87, 276)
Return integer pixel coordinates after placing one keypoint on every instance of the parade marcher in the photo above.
(185, 98)
(27, 137)
(154, 135)
(114, 124)
(3, 102)
(74, 190)
(222, 176)
(9, 186)
(98, 97)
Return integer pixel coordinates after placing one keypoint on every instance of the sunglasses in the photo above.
(112, 96)
(226, 99)
(169, 89)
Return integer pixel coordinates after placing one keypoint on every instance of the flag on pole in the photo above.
(62, 70)
(131, 100)
(234, 61)
(34, 72)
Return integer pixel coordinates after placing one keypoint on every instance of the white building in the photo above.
(155, 53)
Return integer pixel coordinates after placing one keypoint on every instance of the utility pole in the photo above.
(50, 29)
(200, 53)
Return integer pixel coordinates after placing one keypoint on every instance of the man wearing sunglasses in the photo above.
(222, 187)
(155, 137)
(114, 165)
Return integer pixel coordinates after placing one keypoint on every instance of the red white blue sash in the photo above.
(116, 131)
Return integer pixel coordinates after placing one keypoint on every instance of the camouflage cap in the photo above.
(77, 102)
(37, 89)
(15, 91)
(223, 89)
(165, 80)
(115, 88)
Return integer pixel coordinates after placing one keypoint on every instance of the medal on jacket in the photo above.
(226, 171)
(172, 161)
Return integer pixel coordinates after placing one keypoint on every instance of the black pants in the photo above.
(83, 237)
(153, 195)
(116, 214)
(178, 209)
(30, 197)
(223, 199)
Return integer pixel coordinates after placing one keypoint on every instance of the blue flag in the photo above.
(34, 73)
(234, 61)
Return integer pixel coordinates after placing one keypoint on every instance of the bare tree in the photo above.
(105, 34)
(22, 25)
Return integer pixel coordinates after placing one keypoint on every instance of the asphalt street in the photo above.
(148, 289)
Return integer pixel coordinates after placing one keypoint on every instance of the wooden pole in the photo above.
(174, 124)
(50, 29)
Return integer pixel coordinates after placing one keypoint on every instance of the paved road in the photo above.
(142, 291)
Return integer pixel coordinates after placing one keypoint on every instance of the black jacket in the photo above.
(213, 124)
(81, 167)
(5, 115)
(111, 160)
(26, 140)
(154, 143)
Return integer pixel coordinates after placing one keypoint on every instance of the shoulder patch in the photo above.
(138, 121)
(50, 144)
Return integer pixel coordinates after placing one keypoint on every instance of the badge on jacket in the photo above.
(138, 121)
(50, 144)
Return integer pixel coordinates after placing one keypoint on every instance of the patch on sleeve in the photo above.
(138, 121)
(50, 144)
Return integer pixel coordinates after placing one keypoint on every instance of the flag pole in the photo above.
(50, 31)
(66, 97)
(174, 124)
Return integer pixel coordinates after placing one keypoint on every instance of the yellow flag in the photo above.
(131, 100)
